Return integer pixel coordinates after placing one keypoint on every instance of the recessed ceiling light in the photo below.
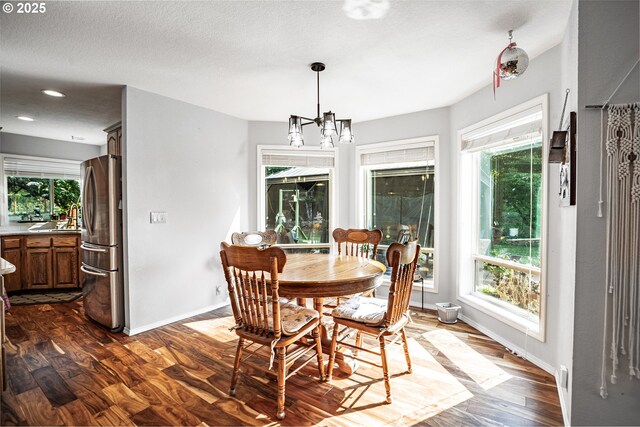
(25, 118)
(365, 9)
(77, 138)
(52, 92)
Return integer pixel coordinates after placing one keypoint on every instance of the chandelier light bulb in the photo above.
(326, 142)
(294, 124)
(329, 124)
(346, 136)
(295, 132)
(296, 140)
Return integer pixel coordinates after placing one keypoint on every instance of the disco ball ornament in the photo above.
(513, 62)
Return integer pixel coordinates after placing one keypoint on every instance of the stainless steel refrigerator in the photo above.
(103, 294)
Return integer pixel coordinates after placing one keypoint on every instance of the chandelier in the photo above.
(327, 123)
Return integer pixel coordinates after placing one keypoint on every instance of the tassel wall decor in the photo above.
(622, 294)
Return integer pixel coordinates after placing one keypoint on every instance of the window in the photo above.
(295, 197)
(502, 200)
(398, 196)
(39, 189)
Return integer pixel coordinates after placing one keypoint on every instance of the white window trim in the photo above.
(467, 231)
(362, 193)
(4, 199)
(333, 188)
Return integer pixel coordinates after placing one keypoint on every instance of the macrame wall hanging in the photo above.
(621, 340)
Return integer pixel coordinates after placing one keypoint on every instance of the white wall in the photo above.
(542, 76)
(609, 45)
(26, 145)
(565, 248)
(192, 163)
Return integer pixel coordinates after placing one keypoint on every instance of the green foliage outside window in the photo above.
(29, 199)
(514, 287)
(510, 223)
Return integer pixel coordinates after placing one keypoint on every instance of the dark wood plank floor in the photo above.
(65, 370)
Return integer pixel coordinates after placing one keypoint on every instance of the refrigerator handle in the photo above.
(92, 272)
(88, 200)
(93, 249)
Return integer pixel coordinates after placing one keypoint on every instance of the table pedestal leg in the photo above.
(344, 360)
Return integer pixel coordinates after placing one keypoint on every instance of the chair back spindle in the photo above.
(403, 260)
(252, 280)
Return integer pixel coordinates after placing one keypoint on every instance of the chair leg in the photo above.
(358, 342)
(281, 380)
(332, 356)
(385, 369)
(316, 336)
(405, 344)
(236, 367)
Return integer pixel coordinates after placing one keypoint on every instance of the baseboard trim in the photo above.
(563, 403)
(177, 318)
(417, 304)
(511, 346)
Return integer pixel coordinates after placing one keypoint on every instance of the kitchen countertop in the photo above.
(6, 267)
(38, 232)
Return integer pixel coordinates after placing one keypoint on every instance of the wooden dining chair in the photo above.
(377, 317)
(358, 242)
(263, 318)
(255, 238)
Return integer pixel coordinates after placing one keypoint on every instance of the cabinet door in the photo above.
(113, 142)
(13, 281)
(38, 268)
(65, 267)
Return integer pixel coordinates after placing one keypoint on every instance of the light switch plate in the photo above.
(158, 217)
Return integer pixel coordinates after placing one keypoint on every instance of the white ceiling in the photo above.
(250, 58)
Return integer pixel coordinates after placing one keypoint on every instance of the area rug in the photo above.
(44, 298)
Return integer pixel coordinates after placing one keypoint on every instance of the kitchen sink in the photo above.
(55, 230)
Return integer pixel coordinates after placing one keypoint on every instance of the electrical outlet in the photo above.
(563, 379)
(158, 217)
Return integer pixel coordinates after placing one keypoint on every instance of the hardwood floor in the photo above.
(65, 370)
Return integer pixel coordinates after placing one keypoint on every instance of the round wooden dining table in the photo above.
(323, 275)
(318, 276)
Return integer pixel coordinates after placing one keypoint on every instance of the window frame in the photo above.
(4, 198)
(333, 188)
(468, 227)
(363, 187)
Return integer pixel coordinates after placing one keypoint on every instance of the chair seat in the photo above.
(367, 310)
(294, 317)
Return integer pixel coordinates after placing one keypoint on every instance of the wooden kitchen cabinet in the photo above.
(114, 139)
(65, 267)
(12, 252)
(42, 262)
(38, 268)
